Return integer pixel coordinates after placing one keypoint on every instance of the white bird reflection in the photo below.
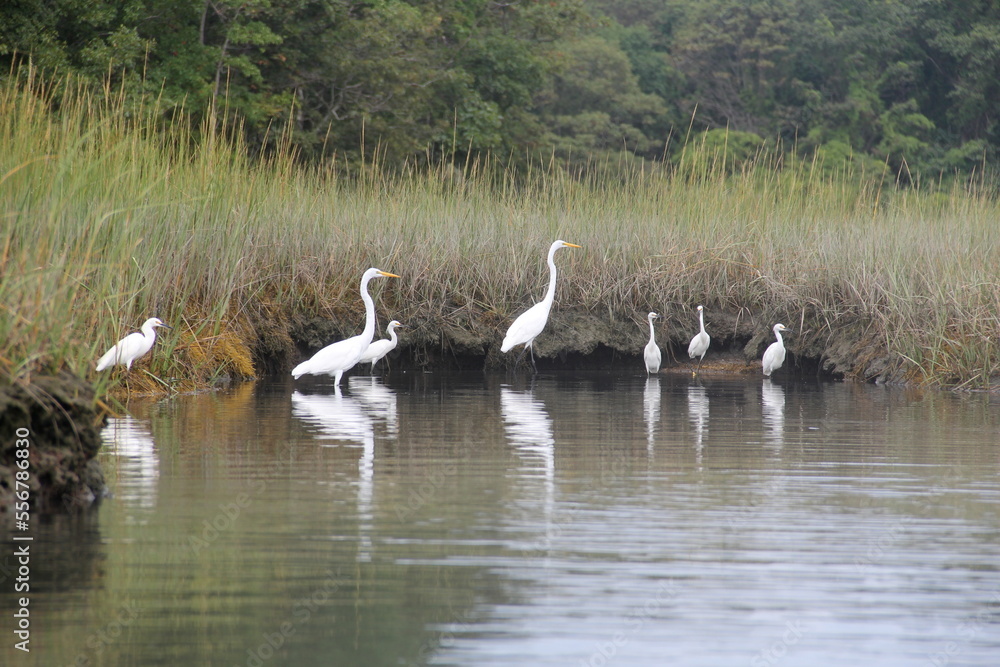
(130, 441)
(379, 401)
(651, 410)
(773, 410)
(350, 420)
(698, 414)
(529, 430)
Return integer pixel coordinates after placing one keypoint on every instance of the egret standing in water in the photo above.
(699, 344)
(774, 356)
(530, 323)
(651, 355)
(380, 348)
(132, 346)
(341, 356)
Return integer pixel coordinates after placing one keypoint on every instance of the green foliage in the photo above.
(594, 105)
(911, 85)
(722, 151)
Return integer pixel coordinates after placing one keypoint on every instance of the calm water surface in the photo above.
(573, 519)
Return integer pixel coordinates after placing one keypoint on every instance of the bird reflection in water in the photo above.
(132, 444)
(651, 411)
(529, 430)
(698, 415)
(352, 420)
(773, 411)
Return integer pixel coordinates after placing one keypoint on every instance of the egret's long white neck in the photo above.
(149, 330)
(392, 334)
(701, 320)
(652, 333)
(777, 334)
(369, 331)
(550, 295)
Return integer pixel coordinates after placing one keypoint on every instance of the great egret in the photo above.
(132, 346)
(341, 356)
(774, 356)
(651, 355)
(380, 348)
(699, 344)
(530, 323)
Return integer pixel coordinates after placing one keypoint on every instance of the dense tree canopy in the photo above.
(908, 83)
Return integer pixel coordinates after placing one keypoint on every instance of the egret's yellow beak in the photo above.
(571, 245)
(388, 275)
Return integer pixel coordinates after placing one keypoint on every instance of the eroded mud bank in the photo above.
(593, 339)
(64, 424)
(56, 420)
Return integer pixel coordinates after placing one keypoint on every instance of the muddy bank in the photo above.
(62, 424)
(584, 339)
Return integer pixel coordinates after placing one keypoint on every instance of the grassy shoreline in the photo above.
(108, 221)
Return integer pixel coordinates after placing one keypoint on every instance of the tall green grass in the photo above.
(108, 218)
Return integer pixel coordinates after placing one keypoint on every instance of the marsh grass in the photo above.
(108, 218)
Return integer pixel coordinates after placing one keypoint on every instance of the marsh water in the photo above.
(586, 518)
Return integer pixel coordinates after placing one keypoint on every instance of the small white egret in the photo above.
(132, 346)
(774, 356)
(380, 348)
(530, 323)
(699, 344)
(341, 356)
(651, 355)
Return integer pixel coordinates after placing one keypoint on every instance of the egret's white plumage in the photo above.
(380, 348)
(132, 346)
(774, 356)
(651, 355)
(530, 323)
(699, 344)
(341, 356)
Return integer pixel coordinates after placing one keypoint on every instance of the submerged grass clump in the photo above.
(109, 218)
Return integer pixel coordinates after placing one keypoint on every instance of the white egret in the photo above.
(774, 356)
(530, 323)
(699, 344)
(380, 348)
(651, 355)
(341, 356)
(132, 346)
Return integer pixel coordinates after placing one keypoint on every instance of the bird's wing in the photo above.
(109, 358)
(526, 327)
(341, 356)
(376, 351)
(130, 347)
